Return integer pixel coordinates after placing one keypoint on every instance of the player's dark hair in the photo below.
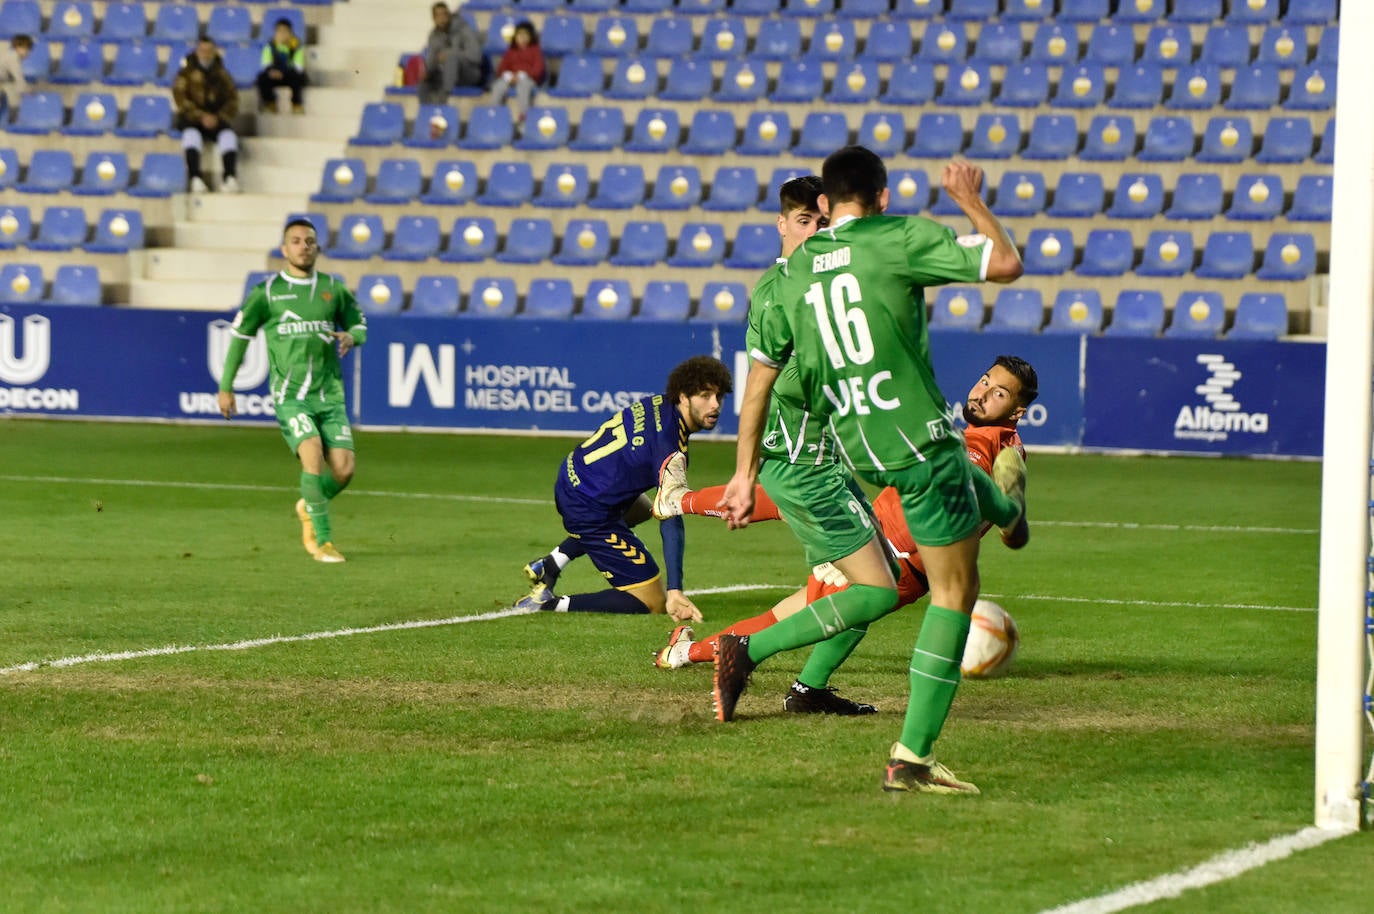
(697, 375)
(799, 193)
(524, 25)
(1022, 371)
(854, 174)
(301, 221)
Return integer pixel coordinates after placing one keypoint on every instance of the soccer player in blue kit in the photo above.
(600, 495)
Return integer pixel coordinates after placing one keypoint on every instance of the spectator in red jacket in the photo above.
(521, 69)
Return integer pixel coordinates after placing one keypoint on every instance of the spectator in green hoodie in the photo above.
(283, 64)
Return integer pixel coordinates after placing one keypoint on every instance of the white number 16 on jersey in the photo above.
(851, 323)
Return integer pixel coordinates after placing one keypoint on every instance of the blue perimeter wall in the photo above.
(1194, 396)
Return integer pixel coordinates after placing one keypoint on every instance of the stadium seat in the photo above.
(380, 293)
(1313, 89)
(160, 174)
(998, 43)
(71, 20)
(1254, 88)
(134, 64)
(884, 132)
(492, 297)
(9, 168)
(545, 128)
(81, 63)
(1140, 85)
(821, 134)
(994, 136)
(1168, 45)
(607, 299)
(1048, 251)
(732, 190)
(821, 7)
(75, 285)
(1019, 193)
(1017, 310)
(383, 123)
(1227, 140)
(957, 308)
(434, 127)
(1052, 137)
(1167, 139)
(585, 242)
(778, 39)
(343, 181)
(1196, 87)
(1027, 10)
(488, 127)
(1107, 252)
(689, 80)
(918, 9)
(360, 237)
(1253, 12)
(93, 114)
(1285, 140)
(642, 244)
(966, 85)
(938, 136)
(669, 37)
(599, 130)
(435, 296)
(943, 42)
(1137, 313)
(856, 83)
(1226, 46)
(972, 10)
(397, 181)
(244, 62)
(1139, 195)
(20, 17)
(1166, 254)
(711, 133)
(564, 185)
(655, 130)
(1196, 11)
(105, 172)
(754, 247)
(472, 239)
(38, 64)
(62, 228)
(1257, 197)
(944, 204)
(1283, 46)
(39, 113)
(317, 219)
(147, 116)
(1026, 85)
(1328, 46)
(1326, 146)
(16, 227)
(1197, 314)
(528, 241)
(887, 41)
(1139, 11)
(1077, 195)
(1311, 199)
(766, 133)
(620, 187)
(1054, 44)
(453, 182)
(416, 238)
(676, 187)
(912, 83)
(908, 191)
(1110, 45)
(1108, 139)
(508, 184)
(744, 81)
(1196, 196)
(562, 35)
(500, 28)
(176, 24)
(722, 302)
(1082, 85)
(50, 171)
(579, 76)
(21, 283)
(549, 299)
(1227, 255)
(834, 39)
(699, 244)
(665, 301)
(723, 38)
(1287, 256)
(1310, 12)
(1259, 316)
(226, 25)
(1076, 311)
(1083, 10)
(801, 80)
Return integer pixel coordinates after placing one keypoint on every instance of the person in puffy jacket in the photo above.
(206, 103)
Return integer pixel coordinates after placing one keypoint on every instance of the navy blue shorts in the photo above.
(612, 546)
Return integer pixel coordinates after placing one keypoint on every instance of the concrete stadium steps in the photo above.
(197, 295)
(80, 147)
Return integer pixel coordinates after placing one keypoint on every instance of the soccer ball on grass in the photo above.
(992, 642)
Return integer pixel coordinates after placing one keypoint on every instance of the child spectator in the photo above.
(521, 69)
(12, 82)
(283, 64)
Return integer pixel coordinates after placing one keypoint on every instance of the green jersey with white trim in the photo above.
(850, 310)
(794, 433)
(297, 316)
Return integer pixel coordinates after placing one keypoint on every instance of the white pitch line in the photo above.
(1224, 866)
(1105, 601)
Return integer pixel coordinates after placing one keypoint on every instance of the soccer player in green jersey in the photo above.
(310, 320)
(850, 311)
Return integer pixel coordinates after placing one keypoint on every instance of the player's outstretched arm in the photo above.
(963, 181)
(739, 493)
(682, 609)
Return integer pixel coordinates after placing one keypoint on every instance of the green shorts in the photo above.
(938, 498)
(827, 511)
(328, 420)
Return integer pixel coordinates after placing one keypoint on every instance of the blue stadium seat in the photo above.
(620, 187)
(1026, 85)
(434, 127)
(1140, 85)
(722, 302)
(75, 285)
(492, 297)
(1054, 44)
(244, 62)
(641, 244)
(1139, 195)
(1138, 312)
(908, 191)
(1020, 193)
(472, 239)
(800, 80)
(344, 181)
(317, 219)
(689, 80)
(508, 184)
(1253, 12)
(665, 301)
(81, 63)
(21, 283)
(1256, 197)
(147, 116)
(773, 186)
(1227, 255)
(1078, 195)
(453, 182)
(1048, 251)
(1310, 12)
(1254, 88)
(967, 84)
(62, 228)
(383, 123)
(974, 10)
(93, 114)
(669, 37)
(50, 171)
(655, 130)
(360, 237)
(912, 83)
(9, 168)
(676, 187)
(1227, 140)
(744, 80)
(821, 134)
(528, 241)
(943, 42)
(20, 17)
(711, 133)
(856, 83)
(998, 43)
(607, 299)
(563, 35)
(884, 132)
(1076, 311)
(38, 64)
(1196, 87)
(957, 308)
(39, 113)
(938, 136)
(585, 242)
(754, 247)
(1082, 85)
(994, 136)
(488, 127)
(586, 6)
(397, 181)
(1107, 252)
(416, 238)
(1285, 140)
(176, 24)
(1226, 46)
(380, 293)
(564, 185)
(1053, 137)
(1313, 89)
(1083, 10)
(134, 64)
(778, 39)
(71, 20)
(887, 41)
(1017, 310)
(1259, 316)
(1108, 139)
(766, 133)
(599, 130)
(1111, 45)
(1283, 46)
(1168, 46)
(918, 9)
(1167, 139)
(545, 128)
(1196, 196)
(160, 174)
(1142, 11)
(1166, 254)
(1027, 10)
(733, 189)
(1288, 256)
(810, 8)
(16, 227)
(1197, 314)
(105, 172)
(579, 76)
(699, 244)
(1196, 11)
(723, 38)
(435, 296)
(1326, 146)
(1328, 46)
(1311, 199)
(833, 40)
(228, 25)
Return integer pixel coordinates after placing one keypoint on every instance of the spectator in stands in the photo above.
(206, 104)
(12, 82)
(453, 57)
(521, 69)
(283, 64)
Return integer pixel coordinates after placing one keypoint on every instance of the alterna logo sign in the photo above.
(1220, 414)
(23, 361)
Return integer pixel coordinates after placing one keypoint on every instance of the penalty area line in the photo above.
(1220, 868)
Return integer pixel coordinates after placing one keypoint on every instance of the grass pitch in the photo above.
(1160, 711)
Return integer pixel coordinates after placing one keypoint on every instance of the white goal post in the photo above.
(1347, 450)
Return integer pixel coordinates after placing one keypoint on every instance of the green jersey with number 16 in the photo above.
(850, 311)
